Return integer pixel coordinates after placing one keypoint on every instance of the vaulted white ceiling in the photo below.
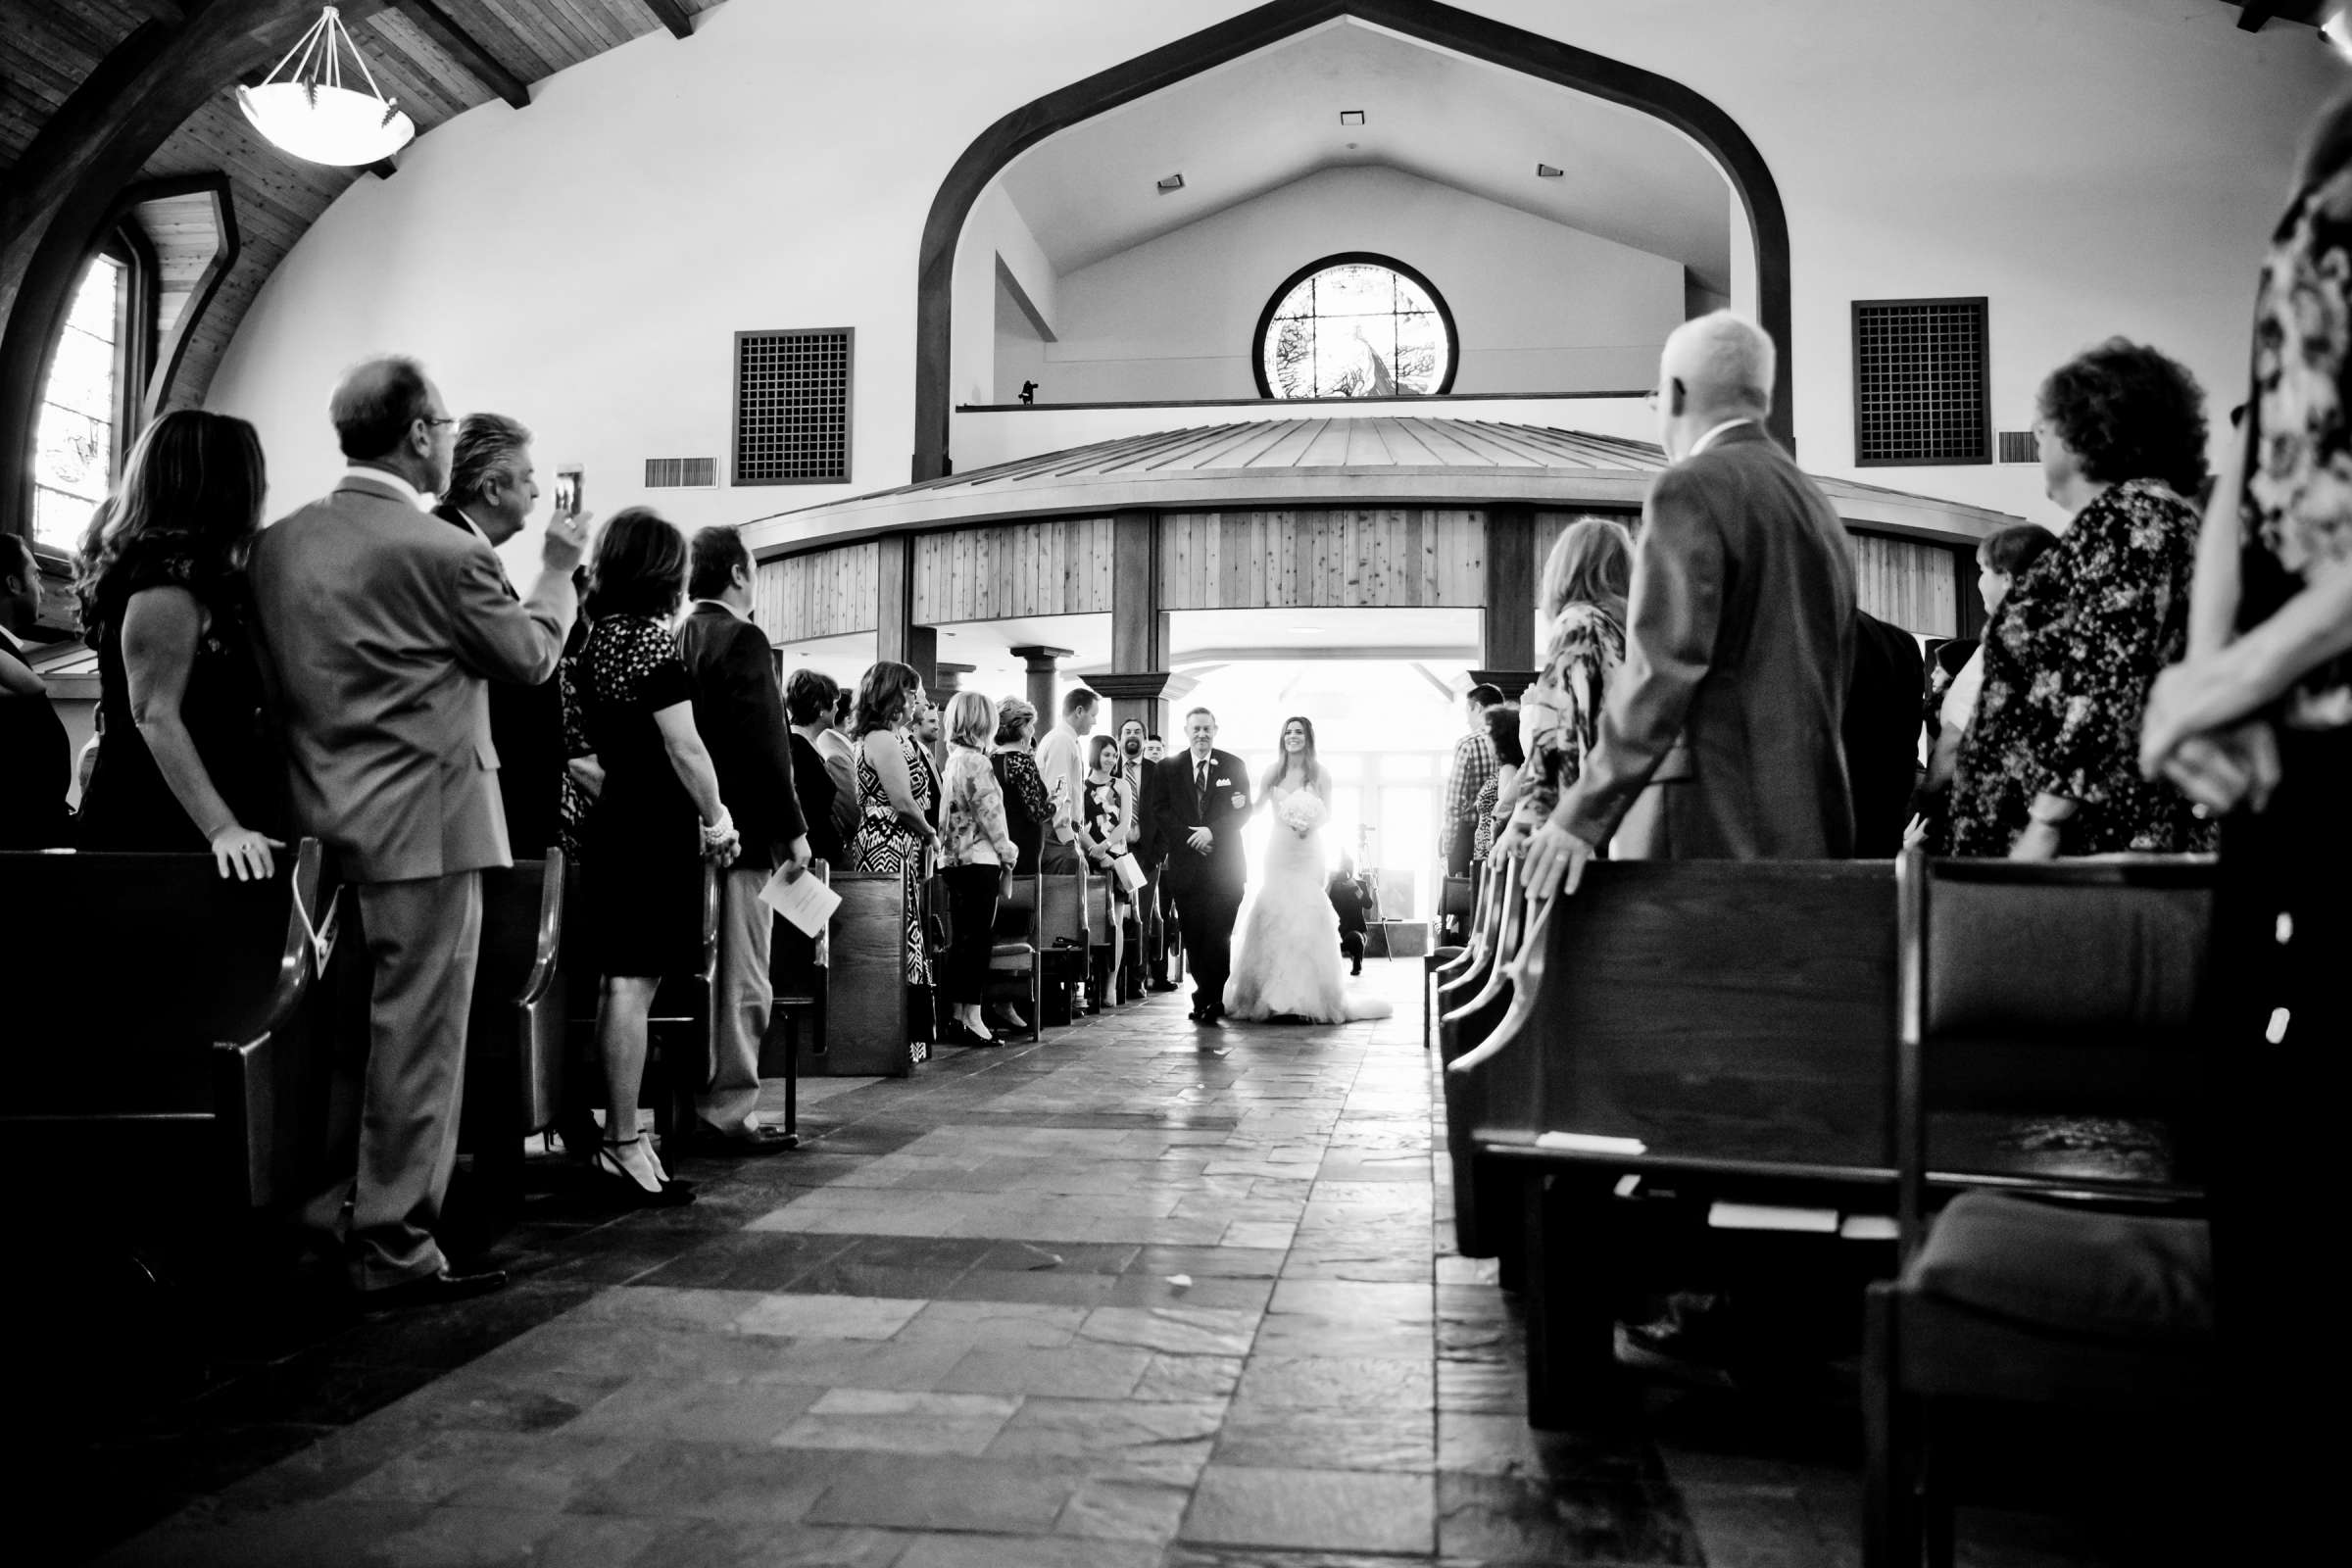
(1271, 117)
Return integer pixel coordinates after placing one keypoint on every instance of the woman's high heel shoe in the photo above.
(619, 1182)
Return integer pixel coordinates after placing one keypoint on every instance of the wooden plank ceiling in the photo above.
(437, 58)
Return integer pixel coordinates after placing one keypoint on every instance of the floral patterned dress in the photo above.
(2296, 510)
(1559, 715)
(2068, 661)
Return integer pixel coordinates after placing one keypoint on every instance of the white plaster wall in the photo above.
(1538, 307)
(2094, 166)
(995, 235)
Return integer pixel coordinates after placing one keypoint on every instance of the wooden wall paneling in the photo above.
(1137, 644)
(1907, 582)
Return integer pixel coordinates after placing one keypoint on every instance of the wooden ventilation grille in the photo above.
(2020, 446)
(792, 406)
(1920, 383)
(681, 473)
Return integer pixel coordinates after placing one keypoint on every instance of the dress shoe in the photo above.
(432, 1290)
(616, 1181)
(959, 1034)
(752, 1141)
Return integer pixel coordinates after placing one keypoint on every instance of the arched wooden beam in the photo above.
(61, 193)
(1479, 37)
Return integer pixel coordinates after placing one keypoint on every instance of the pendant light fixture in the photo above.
(306, 108)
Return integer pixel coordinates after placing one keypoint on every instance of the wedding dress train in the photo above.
(1287, 958)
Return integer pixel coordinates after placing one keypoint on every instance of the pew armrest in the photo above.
(257, 1058)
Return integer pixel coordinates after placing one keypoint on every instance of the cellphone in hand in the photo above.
(567, 492)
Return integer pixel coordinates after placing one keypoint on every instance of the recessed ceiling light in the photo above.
(1352, 117)
(1547, 171)
(1173, 183)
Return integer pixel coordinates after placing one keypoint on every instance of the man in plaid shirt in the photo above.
(1474, 764)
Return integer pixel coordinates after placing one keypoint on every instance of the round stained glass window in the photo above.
(1356, 326)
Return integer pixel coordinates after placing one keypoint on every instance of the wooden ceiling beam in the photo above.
(467, 50)
(170, 11)
(674, 14)
(2253, 14)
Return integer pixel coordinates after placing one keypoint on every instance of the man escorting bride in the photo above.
(1289, 963)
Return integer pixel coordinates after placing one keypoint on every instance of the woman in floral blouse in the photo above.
(2050, 765)
(2256, 727)
(974, 849)
(1583, 599)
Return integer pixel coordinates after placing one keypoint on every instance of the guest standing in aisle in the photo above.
(1061, 764)
(1581, 602)
(1721, 738)
(739, 714)
(2256, 727)
(380, 626)
(896, 838)
(36, 760)
(188, 755)
(975, 851)
(2050, 765)
(1466, 776)
(492, 489)
(808, 702)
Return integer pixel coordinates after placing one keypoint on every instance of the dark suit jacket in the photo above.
(1172, 808)
(37, 767)
(739, 712)
(1881, 733)
(1720, 736)
(526, 726)
(812, 784)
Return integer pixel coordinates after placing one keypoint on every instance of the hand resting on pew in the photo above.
(1555, 861)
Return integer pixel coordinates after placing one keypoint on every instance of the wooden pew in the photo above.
(169, 1016)
(799, 977)
(1720, 1025)
(1476, 1008)
(1065, 942)
(1444, 965)
(869, 1021)
(1723, 1031)
(1106, 957)
(515, 1037)
(2059, 991)
(1012, 958)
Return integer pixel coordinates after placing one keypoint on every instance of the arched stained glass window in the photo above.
(1356, 325)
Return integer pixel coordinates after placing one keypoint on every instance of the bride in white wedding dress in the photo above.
(1287, 958)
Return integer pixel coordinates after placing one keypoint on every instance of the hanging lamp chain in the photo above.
(317, 59)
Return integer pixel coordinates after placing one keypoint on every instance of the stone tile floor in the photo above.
(1139, 1294)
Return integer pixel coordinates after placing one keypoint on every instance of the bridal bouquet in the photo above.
(1302, 812)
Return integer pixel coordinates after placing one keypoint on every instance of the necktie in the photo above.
(1200, 788)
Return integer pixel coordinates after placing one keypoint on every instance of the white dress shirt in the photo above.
(1708, 440)
(1065, 776)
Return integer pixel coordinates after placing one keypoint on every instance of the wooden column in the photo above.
(896, 635)
(1043, 664)
(1137, 695)
(1510, 682)
(946, 680)
(1506, 625)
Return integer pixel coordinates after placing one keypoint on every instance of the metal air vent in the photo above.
(792, 406)
(681, 473)
(1921, 388)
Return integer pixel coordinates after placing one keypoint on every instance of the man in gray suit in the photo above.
(1720, 735)
(381, 625)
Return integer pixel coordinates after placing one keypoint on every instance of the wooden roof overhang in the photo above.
(1354, 460)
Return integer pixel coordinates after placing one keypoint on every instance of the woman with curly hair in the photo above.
(893, 837)
(184, 757)
(2050, 765)
(1028, 808)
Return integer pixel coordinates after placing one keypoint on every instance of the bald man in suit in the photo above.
(382, 626)
(1719, 739)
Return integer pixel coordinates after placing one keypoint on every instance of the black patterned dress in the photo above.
(2068, 661)
(128, 805)
(886, 847)
(643, 838)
